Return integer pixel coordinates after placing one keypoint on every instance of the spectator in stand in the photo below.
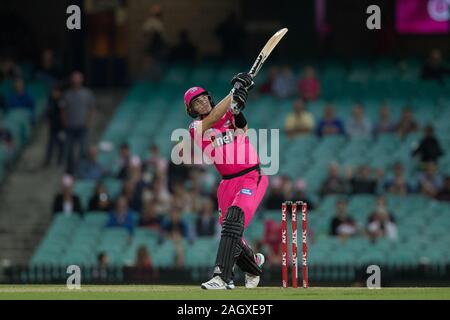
(309, 85)
(284, 83)
(430, 181)
(67, 202)
(359, 126)
(161, 196)
(48, 72)
(206, 224)
(100, 272)
(381, 224)
(232, 36)
(434, 68)
(177, 174)
(56, 134)
(143, 259)
(330, 124)
(122, 216)
(155, 164)
(154, 32)
(88, 167)
(342, 225)
(397, 183)
(123, 162)
(6, 141)
(149, 218)
(78, 111)
(138, 185)
(128, 191)
(184, 50)
(175, 224)
(177, 238)
(288, 188)
(407, 124)
(9, 69)
(275, 195)
(272, 241)
(182, 198)
(266, 87)
(444, 192)
(429, 149)
(21, 99)
(299, 121)
(384, 124)
(364, 182)
(300, 192)
(334, 183)
(196, 197)
(100, 200)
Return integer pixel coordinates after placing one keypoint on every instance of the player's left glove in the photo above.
(239, 99)
(243, 79)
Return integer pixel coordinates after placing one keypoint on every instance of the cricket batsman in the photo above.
(221, 130)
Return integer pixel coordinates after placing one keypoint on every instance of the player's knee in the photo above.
(234, 221)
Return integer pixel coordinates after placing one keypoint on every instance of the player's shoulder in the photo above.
(194, 124)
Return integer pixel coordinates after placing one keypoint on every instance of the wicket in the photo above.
(284, 245)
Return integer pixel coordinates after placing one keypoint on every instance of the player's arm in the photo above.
(216, 113)
(234, 101)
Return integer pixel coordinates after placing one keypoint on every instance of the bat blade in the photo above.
(265, 52)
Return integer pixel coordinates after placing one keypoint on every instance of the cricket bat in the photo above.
(265, 52)
(262, 56)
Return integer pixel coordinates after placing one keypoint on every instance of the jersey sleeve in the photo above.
(194, 128)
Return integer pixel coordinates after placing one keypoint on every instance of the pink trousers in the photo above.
(245, 191)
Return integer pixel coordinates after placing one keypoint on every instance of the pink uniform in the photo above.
(232, 154)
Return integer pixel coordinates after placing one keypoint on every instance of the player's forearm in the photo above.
(221, 108)
(217, 112)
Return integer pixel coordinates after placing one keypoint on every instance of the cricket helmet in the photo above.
(190, 95)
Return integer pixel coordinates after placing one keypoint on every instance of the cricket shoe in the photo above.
(252, 281)
(231, 285)
(216, 283)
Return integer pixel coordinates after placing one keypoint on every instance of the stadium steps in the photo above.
(26, 200)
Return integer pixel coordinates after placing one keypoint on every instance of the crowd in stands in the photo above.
(68, 112)
(300, 121)
(156, 194)
(282, 83)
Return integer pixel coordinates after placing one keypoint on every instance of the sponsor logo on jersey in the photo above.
(227, 124)
(221, 139)
(246, 191)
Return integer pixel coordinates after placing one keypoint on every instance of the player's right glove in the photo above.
(244, 79)
(239, 99)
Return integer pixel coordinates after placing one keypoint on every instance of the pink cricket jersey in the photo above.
(230, 151)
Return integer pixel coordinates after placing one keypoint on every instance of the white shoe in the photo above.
(252, 281)
(216, 283)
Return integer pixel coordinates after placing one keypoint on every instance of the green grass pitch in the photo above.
(161, 292)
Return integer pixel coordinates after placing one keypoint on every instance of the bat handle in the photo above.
(234, 106)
